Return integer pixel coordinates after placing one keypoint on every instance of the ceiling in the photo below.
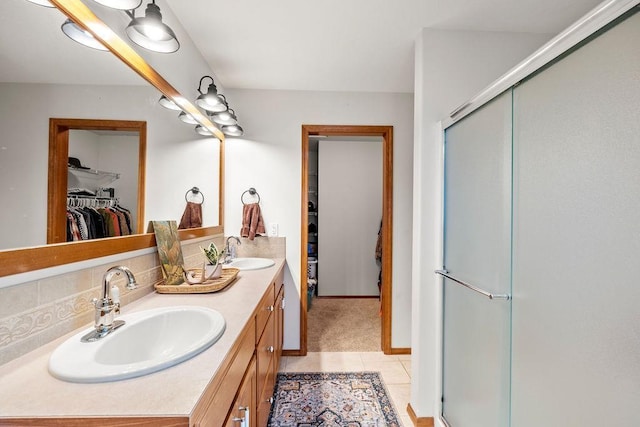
(346, 45)
(329, 45)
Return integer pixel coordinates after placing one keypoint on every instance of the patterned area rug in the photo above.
(343, 399)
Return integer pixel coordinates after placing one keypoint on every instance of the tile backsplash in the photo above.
(35, 313)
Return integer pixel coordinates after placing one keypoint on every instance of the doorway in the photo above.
(386, 133)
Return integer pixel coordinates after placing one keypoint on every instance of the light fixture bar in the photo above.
(87, 19)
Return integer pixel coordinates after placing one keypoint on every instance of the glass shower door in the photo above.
(477, 268)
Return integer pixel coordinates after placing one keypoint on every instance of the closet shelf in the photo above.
(96, 178)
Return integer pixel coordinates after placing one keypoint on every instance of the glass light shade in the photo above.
(201, 130)
(225, 118)
(167, 103)
(211, 101)
(120, 4)
(187, 118)
(45, 3)
(151, 33)
(78, 34)
(233, 130)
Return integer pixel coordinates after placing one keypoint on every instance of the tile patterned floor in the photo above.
(395, 371)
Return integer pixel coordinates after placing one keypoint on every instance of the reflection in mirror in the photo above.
(96, 179)
(61, 78)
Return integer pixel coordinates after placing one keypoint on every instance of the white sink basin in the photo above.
(149, 341)
(251, 263)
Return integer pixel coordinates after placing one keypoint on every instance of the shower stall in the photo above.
(541, 279)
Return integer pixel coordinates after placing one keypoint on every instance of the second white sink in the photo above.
(251, 263)
(149, 341)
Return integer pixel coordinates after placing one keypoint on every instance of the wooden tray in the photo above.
(213, 285)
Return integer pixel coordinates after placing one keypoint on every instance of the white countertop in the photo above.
(28, 390)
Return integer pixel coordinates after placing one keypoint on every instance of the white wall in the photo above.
(451, 67)
(269, 156)
(349, 214)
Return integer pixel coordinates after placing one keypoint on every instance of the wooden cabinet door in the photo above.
(279, 332)
(243, 411)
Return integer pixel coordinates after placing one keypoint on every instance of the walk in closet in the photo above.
(101, 184)
(313, 212)
(541, 236)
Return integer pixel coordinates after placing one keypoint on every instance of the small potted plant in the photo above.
(214, 256)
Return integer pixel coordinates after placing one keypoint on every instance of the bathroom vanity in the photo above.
(229, 384)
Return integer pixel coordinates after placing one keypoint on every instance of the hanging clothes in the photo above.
(90, 222)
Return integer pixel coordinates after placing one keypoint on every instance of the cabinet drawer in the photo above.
(265, 308)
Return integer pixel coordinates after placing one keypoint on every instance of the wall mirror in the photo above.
(62, 79)
(95, 165)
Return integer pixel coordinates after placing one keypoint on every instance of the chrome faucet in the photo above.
(230, 251)
(108, 305)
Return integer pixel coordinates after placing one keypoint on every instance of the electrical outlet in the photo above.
(273, 229)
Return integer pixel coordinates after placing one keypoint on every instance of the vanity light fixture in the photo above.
(120, 4)
(45, 3)
(187, 118)
(201, 130)
(80, 35)
(211, 100)
(225, 118)
(167, 103)
(233, 130)
(150, 32)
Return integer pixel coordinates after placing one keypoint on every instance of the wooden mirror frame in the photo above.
(58, 166)
(29, 259)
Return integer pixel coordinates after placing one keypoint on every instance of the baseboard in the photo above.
(399, 350)
(419, 422)
(346, 296)
(395, 350)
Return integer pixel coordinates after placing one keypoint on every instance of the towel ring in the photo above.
(252, 191)
(195, 191)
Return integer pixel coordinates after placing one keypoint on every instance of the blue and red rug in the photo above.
(340, 399)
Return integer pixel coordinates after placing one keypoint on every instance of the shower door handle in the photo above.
(445, 273)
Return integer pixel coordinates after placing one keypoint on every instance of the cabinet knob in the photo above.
(270, 349)
(270, 308)
(270, 400)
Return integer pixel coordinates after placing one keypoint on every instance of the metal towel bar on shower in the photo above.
(489, 295)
